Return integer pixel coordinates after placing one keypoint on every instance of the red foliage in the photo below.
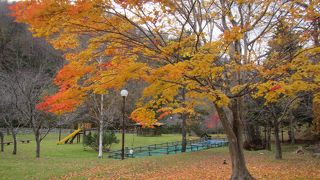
(61, 102)
(212, 121)
(163, 115)
(275, 87)
(106, 65)
(27, 10)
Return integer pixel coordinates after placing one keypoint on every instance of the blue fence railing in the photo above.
(169, 148)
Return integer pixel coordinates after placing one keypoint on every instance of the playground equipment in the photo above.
(70, 136)
(169, 148)
(81, 130)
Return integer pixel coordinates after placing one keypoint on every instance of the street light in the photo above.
(124, 94)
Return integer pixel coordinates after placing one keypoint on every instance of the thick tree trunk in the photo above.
(1, 141)
(234, 135)
(8, 131)
(184, 134)
(14, 137)
(239, 168)
(277, 140)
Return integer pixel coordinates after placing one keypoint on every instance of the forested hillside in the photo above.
(27, 67)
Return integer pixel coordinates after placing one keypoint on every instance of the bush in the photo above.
(93, 140)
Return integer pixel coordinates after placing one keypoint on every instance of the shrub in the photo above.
(93, 140)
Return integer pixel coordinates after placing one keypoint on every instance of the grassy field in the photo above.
(73, 162)
(59, 159)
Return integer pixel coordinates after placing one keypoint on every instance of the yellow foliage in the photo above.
(144, 116)
(118, 47)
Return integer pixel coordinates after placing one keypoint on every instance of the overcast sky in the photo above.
(11, 0)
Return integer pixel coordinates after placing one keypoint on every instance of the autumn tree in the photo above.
(212, 49)
(309, 12)
(284, 45)
(296, 53)
(193, 59)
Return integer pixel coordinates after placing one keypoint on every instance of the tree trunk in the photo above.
(184, 134)
(38, 141)
(14, 137)
(234, 135)
(100, 155)
(277, 140)
(292, 136)
(1, 141)
(60, 133)
(8, 132)
(282, 138)
(265, 136)
(184, 123)
(268, 137)
(239, 168)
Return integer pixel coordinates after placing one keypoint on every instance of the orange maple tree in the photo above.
(212, 49)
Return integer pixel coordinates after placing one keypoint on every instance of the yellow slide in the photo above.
(69, 136)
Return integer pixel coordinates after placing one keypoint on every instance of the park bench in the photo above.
(7, 143)
(25, 141)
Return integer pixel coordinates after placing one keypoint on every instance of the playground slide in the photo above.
(69, 136)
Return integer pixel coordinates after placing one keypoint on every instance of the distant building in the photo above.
(156, 130)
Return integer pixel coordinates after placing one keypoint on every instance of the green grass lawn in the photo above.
(72, 161)
(60, 159)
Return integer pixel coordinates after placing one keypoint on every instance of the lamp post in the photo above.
(124, 94)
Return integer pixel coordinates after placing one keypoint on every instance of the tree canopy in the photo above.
(209, 51)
